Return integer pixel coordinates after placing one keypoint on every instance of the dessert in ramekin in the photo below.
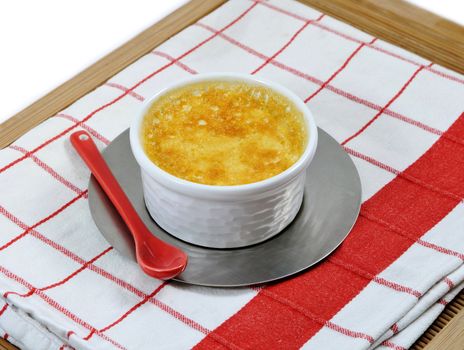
(227, 215)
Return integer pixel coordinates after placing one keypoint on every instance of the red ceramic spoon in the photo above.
(157, 258)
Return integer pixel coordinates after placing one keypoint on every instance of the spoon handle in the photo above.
(89, 152)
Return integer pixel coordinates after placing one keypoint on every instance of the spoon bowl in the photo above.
(165, 263)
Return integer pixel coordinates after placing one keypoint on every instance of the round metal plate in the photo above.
(330, 208)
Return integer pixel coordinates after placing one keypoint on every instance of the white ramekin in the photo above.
(223, 216)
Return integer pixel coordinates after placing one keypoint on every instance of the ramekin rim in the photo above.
(202, 190)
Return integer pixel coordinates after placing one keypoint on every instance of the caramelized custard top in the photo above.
(223, 133)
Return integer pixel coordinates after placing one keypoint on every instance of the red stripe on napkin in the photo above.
(321, 292)
(332, 77)
(287, 44)
(385, 107)
(90, 130)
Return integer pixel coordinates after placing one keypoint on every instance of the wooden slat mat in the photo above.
(395, 21)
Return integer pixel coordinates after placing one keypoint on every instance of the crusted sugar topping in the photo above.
(223, 133)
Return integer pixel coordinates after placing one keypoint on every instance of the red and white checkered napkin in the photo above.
(398, 116)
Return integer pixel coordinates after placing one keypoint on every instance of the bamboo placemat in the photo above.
(395, 21)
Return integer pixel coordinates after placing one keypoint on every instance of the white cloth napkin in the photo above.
(396, 114)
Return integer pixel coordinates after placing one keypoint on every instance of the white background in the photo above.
(44, 43)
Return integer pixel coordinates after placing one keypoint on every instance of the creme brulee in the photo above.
(223, 133)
